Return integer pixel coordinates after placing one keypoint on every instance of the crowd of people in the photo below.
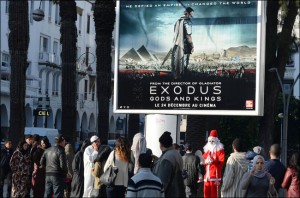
(38, 169)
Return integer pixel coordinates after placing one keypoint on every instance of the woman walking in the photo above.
(258, 182)
(122, 154)
(20, 166)
(39, 175)
(291, 180)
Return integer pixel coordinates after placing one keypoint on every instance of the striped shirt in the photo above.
(235, 168)
(145, 184)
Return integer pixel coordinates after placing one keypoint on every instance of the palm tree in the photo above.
(18, 42)
(68, 41)
(104, 17)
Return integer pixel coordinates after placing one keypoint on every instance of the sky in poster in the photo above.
(153, 26)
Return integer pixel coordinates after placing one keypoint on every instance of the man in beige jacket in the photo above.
(236, 166)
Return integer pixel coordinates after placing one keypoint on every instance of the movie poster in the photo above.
(189, 57)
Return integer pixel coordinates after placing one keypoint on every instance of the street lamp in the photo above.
(285, 116)
(38, 14)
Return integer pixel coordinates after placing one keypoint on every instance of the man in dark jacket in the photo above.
(6, 173)
(54, 159)
(191, 163)
(274, 166)
(169, 167)
(78, 169)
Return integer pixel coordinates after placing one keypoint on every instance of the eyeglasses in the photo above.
(259, 163)
(211, 141)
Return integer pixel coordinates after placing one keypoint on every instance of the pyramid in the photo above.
(133, 55)
(144, 53)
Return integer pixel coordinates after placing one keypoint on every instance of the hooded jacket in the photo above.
(236, 166)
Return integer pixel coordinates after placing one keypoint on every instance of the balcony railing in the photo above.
(49, 57)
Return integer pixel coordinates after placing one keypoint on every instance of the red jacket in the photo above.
(291, 182)
(214, 170)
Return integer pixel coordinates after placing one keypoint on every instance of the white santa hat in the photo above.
(213, 136)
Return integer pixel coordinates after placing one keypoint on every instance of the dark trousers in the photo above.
(115, 191)
(56, 185)
(191, 190)
(8, 176)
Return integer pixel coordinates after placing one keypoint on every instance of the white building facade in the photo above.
(44, 71)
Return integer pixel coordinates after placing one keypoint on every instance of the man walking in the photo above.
(236, 166)
(89, 156)
(274, 166)
(144, 183)
(191, 163)
(6, 172)
(169, 167)
(54, 159)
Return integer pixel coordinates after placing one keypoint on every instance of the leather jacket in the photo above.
(291, 182)
(54, 159)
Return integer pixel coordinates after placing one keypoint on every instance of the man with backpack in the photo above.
(6, 172)
(236, 166)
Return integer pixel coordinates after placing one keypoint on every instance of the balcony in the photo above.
(49, 59)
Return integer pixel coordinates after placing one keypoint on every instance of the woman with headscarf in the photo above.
(258, 182)
(20, 166)
(39, 175)
(121, 154)
(139, 146)
(291, 180)
(78, 170)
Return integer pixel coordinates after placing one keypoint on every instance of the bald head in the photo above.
(275, 151)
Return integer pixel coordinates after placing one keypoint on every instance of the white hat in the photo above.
(258, 150)
(94, 138)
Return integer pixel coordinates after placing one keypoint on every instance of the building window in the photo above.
(28, 72)
(85, 89)
(44, 44)
(88, 24)
(6, 6)
(57, 17)
(87, 50)
(5, 65)
(31, 10)
(55, 52)
(79, 23)
(50, 11)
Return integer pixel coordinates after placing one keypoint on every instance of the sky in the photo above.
(217, 25)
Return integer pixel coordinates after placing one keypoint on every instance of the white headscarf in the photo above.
(138, 146)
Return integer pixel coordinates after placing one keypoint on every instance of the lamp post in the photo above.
(286, 102)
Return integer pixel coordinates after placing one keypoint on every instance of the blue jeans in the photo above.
(56, 185)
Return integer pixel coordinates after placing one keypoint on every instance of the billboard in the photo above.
(189, 57)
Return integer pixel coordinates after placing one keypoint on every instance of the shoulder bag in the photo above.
(109, 176)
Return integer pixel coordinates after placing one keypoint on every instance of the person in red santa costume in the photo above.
(214, 158)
